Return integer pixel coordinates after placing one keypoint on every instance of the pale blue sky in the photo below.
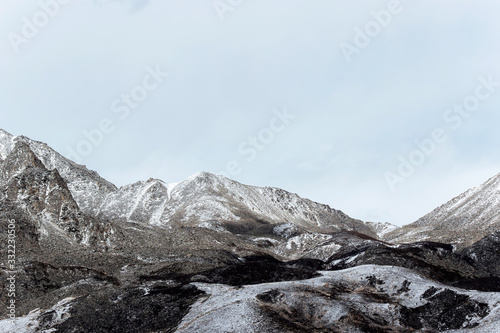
(353, 118)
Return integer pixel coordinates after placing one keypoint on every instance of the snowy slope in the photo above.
(382, 228)
(333, 302)
(204, 198)
(464, 219)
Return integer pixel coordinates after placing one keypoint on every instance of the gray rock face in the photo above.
(45, 196)
(87, 187)
(19, 158)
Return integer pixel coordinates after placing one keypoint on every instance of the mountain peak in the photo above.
(4, 132)
(19, 158)
(6, 143)
(205, 175)
(87, 187)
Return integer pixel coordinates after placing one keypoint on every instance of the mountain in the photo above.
(213, 201)
(463, 220)
(209, 254)
(44, 195)
(86, 186)
(203, 199)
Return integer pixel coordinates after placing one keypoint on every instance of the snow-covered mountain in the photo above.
(204, 199)
(86, 186)
(45, 197)
(464, 219)
(213, 201)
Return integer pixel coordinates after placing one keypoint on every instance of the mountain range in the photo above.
(209, 254)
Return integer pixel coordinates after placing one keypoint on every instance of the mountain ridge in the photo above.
(216, 202)
(199, 199)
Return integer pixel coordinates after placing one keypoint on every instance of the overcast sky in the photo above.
(383, 109)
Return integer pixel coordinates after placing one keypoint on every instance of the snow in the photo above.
(6, 143)
(285, 230)
(213, 225)
(30, 322)
(480, 203)
(216, 311)
(266, 239)
(489, 324)
(382, 228)
(170, 188)
(138, 198)
(309, 245)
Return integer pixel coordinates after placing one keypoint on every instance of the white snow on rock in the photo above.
(86, 186)
(31, 322)
(205, 197)
(308, 245)
(6, 144)
(217, 311)
(382, 228)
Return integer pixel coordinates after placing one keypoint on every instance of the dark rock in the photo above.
(445, 310)
(130, 311)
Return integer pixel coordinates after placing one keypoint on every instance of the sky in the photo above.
(382, 109)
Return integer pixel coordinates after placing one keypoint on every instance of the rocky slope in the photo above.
(87, 187)
(44, 195)
(463, 220)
